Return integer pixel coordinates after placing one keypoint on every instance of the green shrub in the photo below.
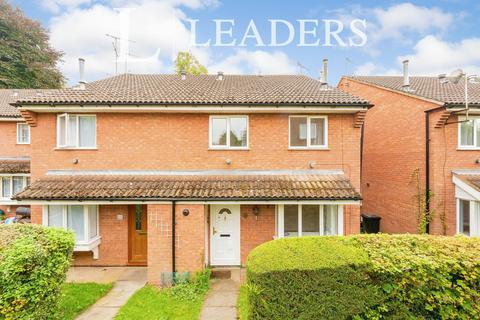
(33, 264)
(365, 277)
(308, 278)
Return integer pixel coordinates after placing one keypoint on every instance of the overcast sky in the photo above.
(437, 36)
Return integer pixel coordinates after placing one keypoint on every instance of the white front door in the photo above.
(224, 235)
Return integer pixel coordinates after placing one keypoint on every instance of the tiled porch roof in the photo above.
(191, 187)
(14, 166)
(473, 180)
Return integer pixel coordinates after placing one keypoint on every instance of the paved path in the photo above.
(127, 283)
(221, 301)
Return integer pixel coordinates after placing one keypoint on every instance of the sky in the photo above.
(437, 36)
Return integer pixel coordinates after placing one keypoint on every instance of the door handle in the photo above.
(214, 231)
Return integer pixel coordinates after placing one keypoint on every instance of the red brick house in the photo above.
(179, 172)
(417, 138)
(14, 149)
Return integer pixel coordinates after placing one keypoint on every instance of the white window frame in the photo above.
(10, 176)
(19, 124)
(77, 142)
(227, 146)
(474, 217)
(89, 244)
(476, 126)
(281, 219)
(309, 146)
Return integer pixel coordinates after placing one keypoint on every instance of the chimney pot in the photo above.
(183, 74)
(406, 75)
(220, 75)
(324, 73)
(81, 67)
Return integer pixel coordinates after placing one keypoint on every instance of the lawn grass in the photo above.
(181, 302)
(242, 303)
(77, 297)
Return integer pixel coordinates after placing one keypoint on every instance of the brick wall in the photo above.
(394, 147)
(8, 141)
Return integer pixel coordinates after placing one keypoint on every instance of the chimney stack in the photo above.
(220, 75)
(324, 73)
(406, 75)
(183, 75)
(81, 66)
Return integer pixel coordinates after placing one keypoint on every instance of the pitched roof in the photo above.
(14, 165)
(473, 180)
(8, 96)
(200, 89)
(428, 87)
(200, 187)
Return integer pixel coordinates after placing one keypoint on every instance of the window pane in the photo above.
(466, 133)
(62, 131)
(23, 134)
(87, 131)
(17, 184)
(6, 189)
(55, 216)
(310, 220)
(92, 221)
(72, 131)
(464, 217)
(219, 132)
(75, 222)
(317, 131)
(290, 217)
(330, 220)
(238, 132)
(298, 131)
(138, 217)
(477, 126)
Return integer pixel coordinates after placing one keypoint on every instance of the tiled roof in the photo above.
(14, 166)
(428, 87)
(201, 89)
(241, 187)
(8, 96)
(472, 180)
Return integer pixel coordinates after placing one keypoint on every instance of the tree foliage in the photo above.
(26, 58)
(187, 62)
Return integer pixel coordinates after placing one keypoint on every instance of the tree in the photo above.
(187, 62)
(26, 58)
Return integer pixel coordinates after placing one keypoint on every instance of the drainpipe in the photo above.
(173, 242)
(427, 166)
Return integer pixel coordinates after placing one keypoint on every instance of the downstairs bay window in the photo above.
(12, 184)
(83, 220)
(468, 217)
(309, 220)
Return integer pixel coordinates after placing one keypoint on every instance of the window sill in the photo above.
(73, 148)
(91, 245)
(309, 148)
(23, 143)
(228, 149)
(468, 149)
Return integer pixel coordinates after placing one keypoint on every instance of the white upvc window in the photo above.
(308, 132)
(83, 220)
(468, 217)
(469, 133)
(76, 131)
(23, 133)
(228, 132)
(297, 220)
(12, 184)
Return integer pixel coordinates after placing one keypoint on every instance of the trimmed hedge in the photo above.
(365, 277)
(33, 264)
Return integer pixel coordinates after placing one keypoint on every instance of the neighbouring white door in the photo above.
(225, 235)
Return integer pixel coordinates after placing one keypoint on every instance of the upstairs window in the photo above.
(23, 133)
(229, 132)
(76, 131)
(469, 134)
(308, 132)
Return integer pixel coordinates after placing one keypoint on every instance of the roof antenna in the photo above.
(115, 50)
(301, 68)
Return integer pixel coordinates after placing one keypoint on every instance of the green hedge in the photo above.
(33, 264)
(365, 277)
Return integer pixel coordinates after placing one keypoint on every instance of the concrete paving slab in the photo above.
(106, 274)
(218, 313)
(221, 302)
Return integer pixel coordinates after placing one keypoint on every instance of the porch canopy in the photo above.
(14, 165)
(227, 185)
(467, 184)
